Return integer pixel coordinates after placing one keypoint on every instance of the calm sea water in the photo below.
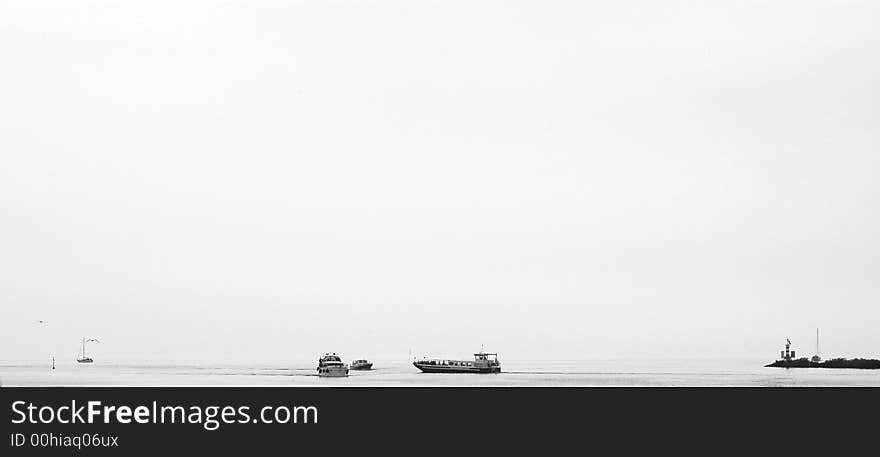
(517, 373)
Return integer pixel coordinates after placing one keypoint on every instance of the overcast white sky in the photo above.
(215, 179)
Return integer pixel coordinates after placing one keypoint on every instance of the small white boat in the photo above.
(331, 365)
(362, 364)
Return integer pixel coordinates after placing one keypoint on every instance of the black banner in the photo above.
(151, 421)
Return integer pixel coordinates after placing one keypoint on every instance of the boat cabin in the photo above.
(330, 359)
(481, 359)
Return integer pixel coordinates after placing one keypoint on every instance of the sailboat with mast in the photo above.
(816, 358)
(82, 357)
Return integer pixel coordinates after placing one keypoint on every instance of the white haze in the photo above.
(258, 179)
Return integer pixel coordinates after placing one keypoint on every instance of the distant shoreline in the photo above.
(862, 364)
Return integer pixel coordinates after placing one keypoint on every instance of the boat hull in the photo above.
(368, 366)
(333, 372)
(426, 368)
(84, 360)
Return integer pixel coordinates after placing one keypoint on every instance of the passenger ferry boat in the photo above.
(484, 362)
(331, 365)
(362, 364)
